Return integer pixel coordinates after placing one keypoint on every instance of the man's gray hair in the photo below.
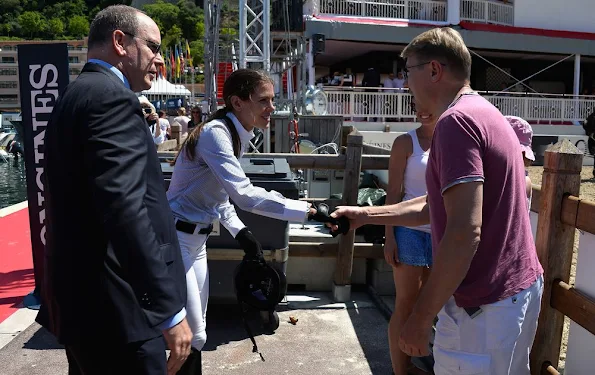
(110, 19)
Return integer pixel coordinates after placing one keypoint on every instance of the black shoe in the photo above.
(193, 364)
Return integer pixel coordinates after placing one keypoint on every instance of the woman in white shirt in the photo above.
(408, 250)
(207, 173)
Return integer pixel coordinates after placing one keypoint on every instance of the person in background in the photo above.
(195, 117)
(408, 249)
(207, 174)
(114, 284)
(371, 79)
(399, 82)
(183, 120)
(164, 124)
(337, 79)
(524, 133)
(388, 82)
(152, 119)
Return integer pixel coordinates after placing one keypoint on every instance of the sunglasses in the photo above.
(154, 47)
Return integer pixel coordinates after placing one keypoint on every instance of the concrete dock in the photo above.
(328, 338)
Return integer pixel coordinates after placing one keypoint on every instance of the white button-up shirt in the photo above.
(199, 191)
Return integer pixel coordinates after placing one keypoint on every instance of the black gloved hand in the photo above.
(322, 215)
(250, 245)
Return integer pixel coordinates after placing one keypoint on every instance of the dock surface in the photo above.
(328, 338)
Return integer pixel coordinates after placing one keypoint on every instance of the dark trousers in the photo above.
(138, 358)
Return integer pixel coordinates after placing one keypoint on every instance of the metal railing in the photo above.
(356, 103)
(396, 9)
(488, 11)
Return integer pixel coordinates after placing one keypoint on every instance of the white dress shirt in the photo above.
(200, 190)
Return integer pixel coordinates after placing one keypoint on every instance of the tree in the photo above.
(10, 6)
(197, 49)
(64, 10)
(31, 23)
(165, 15)
(105, 3)
(172, 36)
(5, 29)
(55, 27)
(78, 26)
(190, 17)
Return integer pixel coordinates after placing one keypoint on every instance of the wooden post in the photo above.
(554, 242)
(353, 167)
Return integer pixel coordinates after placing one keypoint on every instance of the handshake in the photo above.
(337, 223)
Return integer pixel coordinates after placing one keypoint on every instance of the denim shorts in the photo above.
(414, 247)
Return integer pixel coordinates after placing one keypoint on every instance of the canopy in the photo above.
(162, 86)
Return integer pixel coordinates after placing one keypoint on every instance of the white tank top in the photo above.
(414, 181)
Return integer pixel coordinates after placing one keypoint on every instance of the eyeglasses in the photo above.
(407, 68)
(154, 47)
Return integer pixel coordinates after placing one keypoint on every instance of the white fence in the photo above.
(497, 12)
(543, 108)
(488, 11)
(400, 9)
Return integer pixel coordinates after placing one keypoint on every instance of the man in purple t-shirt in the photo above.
(486, 282)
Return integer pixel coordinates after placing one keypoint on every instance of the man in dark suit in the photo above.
(115, 283)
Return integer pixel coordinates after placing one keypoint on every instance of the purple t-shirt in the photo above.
(474, 142)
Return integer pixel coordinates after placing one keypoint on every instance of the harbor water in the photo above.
(13, 182)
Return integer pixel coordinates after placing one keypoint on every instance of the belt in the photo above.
(186, 227)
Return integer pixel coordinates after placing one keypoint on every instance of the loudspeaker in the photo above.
(318, 43)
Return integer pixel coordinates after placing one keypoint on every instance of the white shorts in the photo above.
(495, 341)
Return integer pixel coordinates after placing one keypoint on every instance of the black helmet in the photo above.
(259, 285)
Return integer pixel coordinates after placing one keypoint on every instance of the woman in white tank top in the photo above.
(408, 250)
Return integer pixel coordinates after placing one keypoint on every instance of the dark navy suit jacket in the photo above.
(113, 267)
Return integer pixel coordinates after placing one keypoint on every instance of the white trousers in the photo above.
(497, 341)
(194, 255)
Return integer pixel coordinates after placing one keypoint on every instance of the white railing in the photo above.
(357, 103)
(396, 9)
(497, 12)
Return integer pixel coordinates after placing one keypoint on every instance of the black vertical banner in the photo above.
(43, 75)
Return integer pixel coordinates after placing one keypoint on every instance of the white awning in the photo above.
(164, 87)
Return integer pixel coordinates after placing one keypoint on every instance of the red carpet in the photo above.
(16, 262)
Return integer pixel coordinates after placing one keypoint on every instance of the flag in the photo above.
(188, 55)
(163, 72)
(172, 64)
(182, 60)
(177, 62)
(165, 64)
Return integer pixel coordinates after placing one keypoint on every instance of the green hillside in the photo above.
(57, 19)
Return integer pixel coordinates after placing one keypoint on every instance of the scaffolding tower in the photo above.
(276, 52)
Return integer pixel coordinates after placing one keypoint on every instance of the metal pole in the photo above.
(215, 49)
(577, 74)
(577, 86)
(266, 42)
(310, 58)
(243, 21)
(208, 70)
(193, 84)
